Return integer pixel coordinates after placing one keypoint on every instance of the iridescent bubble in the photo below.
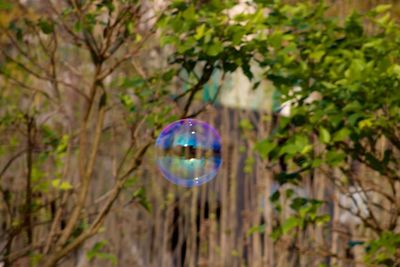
(189, 152)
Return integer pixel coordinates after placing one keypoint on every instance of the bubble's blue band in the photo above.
(164, 140)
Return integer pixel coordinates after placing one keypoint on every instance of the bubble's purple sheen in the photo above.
(189, 152)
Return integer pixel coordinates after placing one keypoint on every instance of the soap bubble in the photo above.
(189, 152)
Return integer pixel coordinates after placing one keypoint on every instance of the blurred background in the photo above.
(78, 118)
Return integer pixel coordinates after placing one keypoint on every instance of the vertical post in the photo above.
(29, 163)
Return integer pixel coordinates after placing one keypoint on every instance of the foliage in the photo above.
(97, 252)
(384, 250)
(140, 195)
(306, 213)
(341, 79)
(354, 75)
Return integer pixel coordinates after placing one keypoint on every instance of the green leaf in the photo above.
(376, 44)
(130, 27)
(352, 106)
(108, 4)
(355, 71)
(298, 144)
(354, 118)
(298, 203)
(5, 5)
(384, 19)
(324, 135)
(367, 123)
(78, 26)
(168, 75)
(301, 141)
(256, 229)
(165, 40)
(323, 219)
(245, 125)
(65, 186)
(341, 135)
(249, 165)
(200, 32)
(382, 8)
(67, 11)
(289, 224)
(187, 45)
(276, 233)
(63, 144)
(138, 37)
(97, 252)
(214, 48)
(135, 81)
(289, 193)
(96, 249)
(46, 26)
(90, 20)
(275, 196)
(190, 13)
(317, 163)
(285, 177)
(335, 157)
(317, 55)
(35, 259)
(140, 195)
(247, 71)
(353, 25)
(58, 184)
(395, 70)
(275, 39)
(264, 147)
(130, 182)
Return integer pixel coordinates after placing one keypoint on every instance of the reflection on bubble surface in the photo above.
(189, 152)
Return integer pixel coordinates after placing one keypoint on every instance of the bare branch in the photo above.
(10, 161)
(205, 76)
